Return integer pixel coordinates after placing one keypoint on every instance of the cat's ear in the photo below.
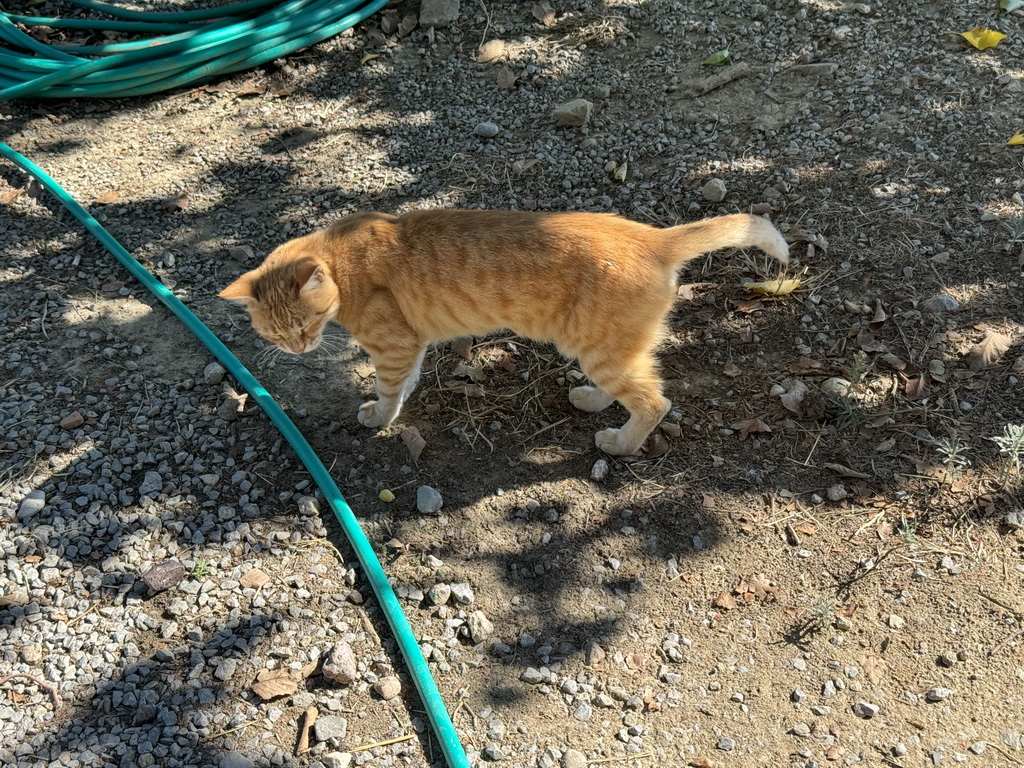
(239, 291)
(309, 275)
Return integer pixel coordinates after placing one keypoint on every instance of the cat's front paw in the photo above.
(371, 415)
(610, 441)
(590, 399)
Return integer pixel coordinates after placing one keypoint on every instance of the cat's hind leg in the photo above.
(635, 383)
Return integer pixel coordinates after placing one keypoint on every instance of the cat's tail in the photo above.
(736, 230)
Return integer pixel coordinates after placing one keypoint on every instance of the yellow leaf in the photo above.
(775, 287)
(386, 496)
(983, 37)
(372, 56)
(1016, 140)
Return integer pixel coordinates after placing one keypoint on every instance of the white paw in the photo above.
(370, 415)
(608, 441)
(590, 399)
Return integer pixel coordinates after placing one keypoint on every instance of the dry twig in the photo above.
(41, 683)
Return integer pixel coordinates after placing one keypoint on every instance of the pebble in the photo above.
(714, 190)
(937, 694)
(428, 500)
(73, 420)
(152, 483)
(726, 745)
(599, 471)
(337, 760)
(865, 709)
(225, 669)
(329, 727)
(480, 628)
(214, 373)
(463, 593)
(573, 758)
(33, 503)
(574, 113)
(340, 665)
(439, 594)
(487, 130)
(388, 687)
(1014, 520)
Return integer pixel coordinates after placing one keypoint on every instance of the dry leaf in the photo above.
(656, 445)
(106, 198)
(982, 37)
(894, 361)
(470, 390)
(506, 77)
(544, 13)
(843, 471)
(725, 601)
(730, 369)
(918, 388)
(989, 350)
(471, 372)
(271, 683)
(621, 172)
(749, 306)
(368, 57)
(10, 195)
(686, 292)
(708, 501)
(793, 398)
(700, 762)
(760, 587)
(414, 442)
(251, 88)
(717, 461)
(463, 347)
(775, 287)
(807, 366)
(746, 426)
(175, 203)
(1017, 140)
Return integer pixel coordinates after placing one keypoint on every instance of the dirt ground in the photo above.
(819, 559)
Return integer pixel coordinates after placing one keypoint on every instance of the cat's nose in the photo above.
(299, 348)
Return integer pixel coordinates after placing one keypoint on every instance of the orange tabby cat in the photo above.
(597, 285)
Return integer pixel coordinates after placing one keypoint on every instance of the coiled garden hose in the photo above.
(407, 644)
(179, 49)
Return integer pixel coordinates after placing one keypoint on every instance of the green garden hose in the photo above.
(407, 644)
(184, 48)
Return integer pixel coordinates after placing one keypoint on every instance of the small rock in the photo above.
(151, 483)
(837, 492)
(214, 373)
(714, 191)
(599, 471)
(164, 575)
(817, 69)
(330, 727)
(574, 113)
(726, 745)
(594, 655)
(225, 669)
(340, 665)
(32, 504)
(487, 130)
(865, 709)
(896, 622)
(32, 654)
(144, 713)
(940, 303)
(439, 594)
(438, 13)
(937, 694)
(798, 696)
(836, 386)
(234, 760)
(949, 565)
(254, 578)
(386, 496)
(72, 421)
(336, 760)
(801, 729)
(532, 676)
(492, 753)
(1015, 520)
(573, 758)
(479, 626)
(388, 687)
(428, 500)
(947, 659)
(463, 593)
(978, 747)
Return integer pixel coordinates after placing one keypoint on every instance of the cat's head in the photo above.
(289, 301)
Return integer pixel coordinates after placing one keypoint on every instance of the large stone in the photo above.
(151, 483)
(164, 575)
(480, 627)
(574, 113)
(214, 373)
(428, 500)
(573, 758)
(31, 505)
(463, 593)
(714, 191)
(438, 13)
(337, 760)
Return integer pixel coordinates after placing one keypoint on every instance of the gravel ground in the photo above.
(782, 583)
